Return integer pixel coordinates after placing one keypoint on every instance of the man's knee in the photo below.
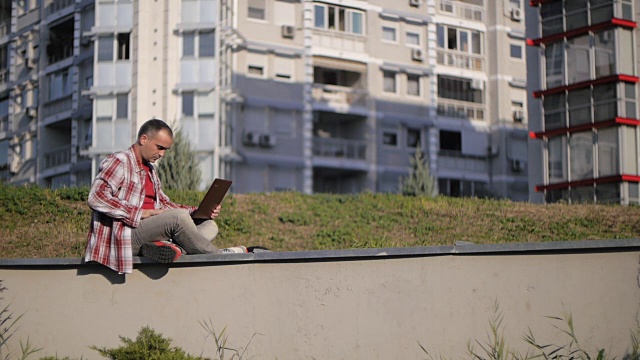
(179, 216)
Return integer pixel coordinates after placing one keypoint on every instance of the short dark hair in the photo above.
(151, 128)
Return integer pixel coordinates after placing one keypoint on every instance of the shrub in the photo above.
(147, 345)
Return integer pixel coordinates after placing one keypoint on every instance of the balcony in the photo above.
(340, 148)
(461, 109)
(456, 160)
(462, 10)
(339, 41)
(58, 106)
(460, 60)
(4, 76)
(58, 5)
(60, 45)
(338, 97)
(56, 157)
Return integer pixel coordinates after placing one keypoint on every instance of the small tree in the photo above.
(419, 182)
(179, 169)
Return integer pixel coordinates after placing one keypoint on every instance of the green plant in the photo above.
(8, 327)
(496, 347)
(179, 168)
(220, 340)
(147, 345)
(419, 182)
(571, 350)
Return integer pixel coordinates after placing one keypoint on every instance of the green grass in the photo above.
(38, 222)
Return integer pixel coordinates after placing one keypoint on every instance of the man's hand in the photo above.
(151, 212)
(215, 212)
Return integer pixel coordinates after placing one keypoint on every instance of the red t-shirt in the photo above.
(149, 191)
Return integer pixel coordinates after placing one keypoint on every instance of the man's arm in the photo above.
(105, 190)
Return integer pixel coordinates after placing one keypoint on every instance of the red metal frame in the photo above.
(604, 180)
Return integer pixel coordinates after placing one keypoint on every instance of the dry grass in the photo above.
(40, 223)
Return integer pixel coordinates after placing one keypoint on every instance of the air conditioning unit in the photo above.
(518, 115)
(288, 31)
(250, 138)
(415, 3)
(517, 165)
(516, 14)
(417, 54)
(477, 84)
(267, 140)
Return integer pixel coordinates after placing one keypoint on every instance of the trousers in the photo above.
(194, 236)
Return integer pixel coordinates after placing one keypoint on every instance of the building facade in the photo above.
(584, 100)
(311, 96)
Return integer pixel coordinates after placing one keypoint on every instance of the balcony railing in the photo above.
(58, 5)
(340, 148)
(339, 40)
(338, 95)
(448, 159)
(461, 109)
(461, 60)
(462, 10)
(57, 156)
(59, 105)
(64, 52)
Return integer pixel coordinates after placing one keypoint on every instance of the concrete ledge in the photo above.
(337, 304)
(461, 248)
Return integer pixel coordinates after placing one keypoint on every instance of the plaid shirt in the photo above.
(116, 198)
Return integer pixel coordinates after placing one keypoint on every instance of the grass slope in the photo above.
(42, 223)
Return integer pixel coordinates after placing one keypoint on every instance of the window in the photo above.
(389, 82)
(516, 51)
(336, 18)
(554, 64)
(460, 89)
(450, 140)
(578, 55)
(412, 38)
(554, 111)
(605, 60)
(413, 84)
(189, 44)
(206, 44)
(203, 41)
(463, 40)
(608, 151)
(105, 48)
(122, 106)
(187, 104)
(59, 85)
(413, 138)
(581, 155)
(390, 138)
(256, 9)
(123, 46)
(557, 153)
(389, 34)
(256, 70)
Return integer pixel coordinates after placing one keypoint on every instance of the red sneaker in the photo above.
(161, 251)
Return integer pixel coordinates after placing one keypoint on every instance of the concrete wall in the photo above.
(353, 304)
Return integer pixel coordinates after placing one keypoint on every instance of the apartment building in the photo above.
(584, 100)
(311, 96)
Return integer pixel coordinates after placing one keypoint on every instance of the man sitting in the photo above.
(132, 216)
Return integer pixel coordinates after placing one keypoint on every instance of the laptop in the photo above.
(212, 199)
